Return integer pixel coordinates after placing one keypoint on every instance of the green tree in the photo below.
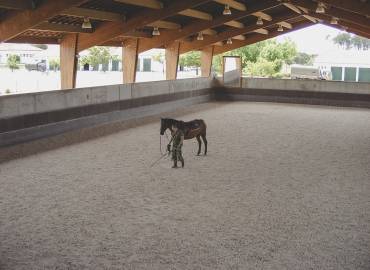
(348, 41)
(304, 59)
(13, 61)
(190, 59)
(96, 56)
(159, 57)
(264, 58)
(54, 64)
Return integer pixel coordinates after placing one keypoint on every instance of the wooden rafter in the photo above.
(351, 27)
(239, 37)
(196, 14)
(263, 15)
(335, 12)
(257, 38)
(233, 4)
(20, 21)
(286, 25)
(359, 7)
(293, 7)
(34, 40)
(110, 30)
(209, 32)
(16, 4)
(167, 37)
(143, 3)
(197, 44)
(165, 24)
(261, 31)
(93, 14)
(310, 18)
(235, 24)
(58, 27)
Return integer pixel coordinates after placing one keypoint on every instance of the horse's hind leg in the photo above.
(199, 145)
(205, 143)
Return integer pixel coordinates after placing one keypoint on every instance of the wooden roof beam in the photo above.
(94, 14)
(16, 4)
(154, 4)
(110, 30)
(235, 24)
(209, 32)
(263, 15)
(58, 27)
(261, 31)
(286, 25)
(197, 44)
(256, 38)
(310, 18)
(351, 27)
(20, 21)
(359, 7)
(167, 37)
(239, 37)
(34, 40)
(233, 4)
(293, 7)
(165, 25)
(341, 14)
(196, 14)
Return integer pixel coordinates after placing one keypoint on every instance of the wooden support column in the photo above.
(129, 60)
(206, 57)
(68, 61)
(172, 60)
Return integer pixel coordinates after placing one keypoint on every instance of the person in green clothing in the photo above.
(177, 142)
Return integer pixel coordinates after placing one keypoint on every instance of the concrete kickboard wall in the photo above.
(23, 104)
(306, 85)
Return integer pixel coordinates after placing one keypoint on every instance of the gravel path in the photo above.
(283, 187)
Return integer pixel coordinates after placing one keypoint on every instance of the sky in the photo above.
(315, 39)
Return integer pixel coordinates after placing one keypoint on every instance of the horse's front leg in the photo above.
(199, 145)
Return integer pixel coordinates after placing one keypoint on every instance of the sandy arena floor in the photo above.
(283, 187)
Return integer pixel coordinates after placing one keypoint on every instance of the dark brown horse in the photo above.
(196, 128)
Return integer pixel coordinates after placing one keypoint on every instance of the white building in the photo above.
(346, 65)
(28, 54)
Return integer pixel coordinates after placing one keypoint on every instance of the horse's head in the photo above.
(163, 126)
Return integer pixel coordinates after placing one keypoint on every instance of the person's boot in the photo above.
(182, 163)
(174, 164)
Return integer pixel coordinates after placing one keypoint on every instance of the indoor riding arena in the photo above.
(283, 186)
(85, 179)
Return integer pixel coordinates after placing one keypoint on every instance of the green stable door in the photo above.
(350, 74)
(336, 73)
(364, 75)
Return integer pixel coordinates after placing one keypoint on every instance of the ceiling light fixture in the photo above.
(320, 8)
(227, 10)
(200, 36)
(259, 21)
(156, 31)
(86, 24)
(229, 41)
(334, 21)
(280, 28)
